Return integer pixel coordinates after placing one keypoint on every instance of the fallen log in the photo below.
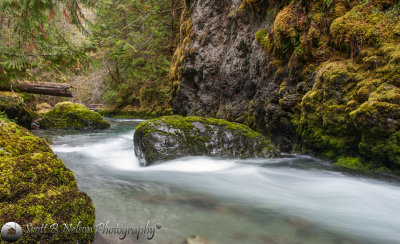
(44, 88)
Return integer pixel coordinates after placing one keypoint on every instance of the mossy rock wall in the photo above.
(320, 77)
(171, 137)
(37, 188)
(67, 115)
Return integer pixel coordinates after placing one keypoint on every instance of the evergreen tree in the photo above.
(137, 39)
(33, 37)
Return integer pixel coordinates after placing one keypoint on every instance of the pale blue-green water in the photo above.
(295, 199)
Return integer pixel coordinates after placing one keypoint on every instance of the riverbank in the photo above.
(36, 188)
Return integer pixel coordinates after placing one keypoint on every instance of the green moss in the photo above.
(13, 108)
(36, 187)
(67, 115)
(363, 25)
(350, 112)
(186, 30)
(392, 146)
(261, 36)
(375, 118)
(351, 163)
(186, 124)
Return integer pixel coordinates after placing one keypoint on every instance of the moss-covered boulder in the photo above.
(12, 104)
(43, 108)
(67, 115)
(37, 188)
(172, 137)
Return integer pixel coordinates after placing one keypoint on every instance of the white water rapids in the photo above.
(294, 199)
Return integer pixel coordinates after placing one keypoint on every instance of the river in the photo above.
(294, 199)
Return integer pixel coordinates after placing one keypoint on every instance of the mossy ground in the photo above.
(36, 187)
(68, 115)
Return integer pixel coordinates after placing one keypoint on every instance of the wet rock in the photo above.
(198, 203)
(68, 115)
(225, 73)
(195, 240)
(171, 137)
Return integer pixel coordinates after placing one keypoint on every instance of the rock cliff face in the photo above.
(225, 71)
(315, 76)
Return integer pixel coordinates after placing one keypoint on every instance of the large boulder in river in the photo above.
(172, 137)
(67, 115)
(37, 188)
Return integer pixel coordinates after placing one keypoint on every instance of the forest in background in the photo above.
(113, 52)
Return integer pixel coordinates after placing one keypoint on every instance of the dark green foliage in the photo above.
(137, 39)
(33, 38)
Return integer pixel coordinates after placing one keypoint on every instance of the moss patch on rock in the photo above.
(12, 104)
(172, 137)
(352, 112)
(37, 188)
(347, 54)
(67, 115)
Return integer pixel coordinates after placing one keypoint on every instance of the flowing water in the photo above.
(295, 199)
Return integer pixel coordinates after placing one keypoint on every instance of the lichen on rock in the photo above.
(67, 115)
(37, 188)
(172, 137)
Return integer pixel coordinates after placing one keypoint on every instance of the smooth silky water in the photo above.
(294, 199)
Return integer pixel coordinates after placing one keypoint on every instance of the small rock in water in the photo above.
(298, 222)
(195, 240)
(199, 203)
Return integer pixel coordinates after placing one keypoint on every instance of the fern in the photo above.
(328, 3)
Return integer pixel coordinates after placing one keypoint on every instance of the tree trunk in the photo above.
(45, 88)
